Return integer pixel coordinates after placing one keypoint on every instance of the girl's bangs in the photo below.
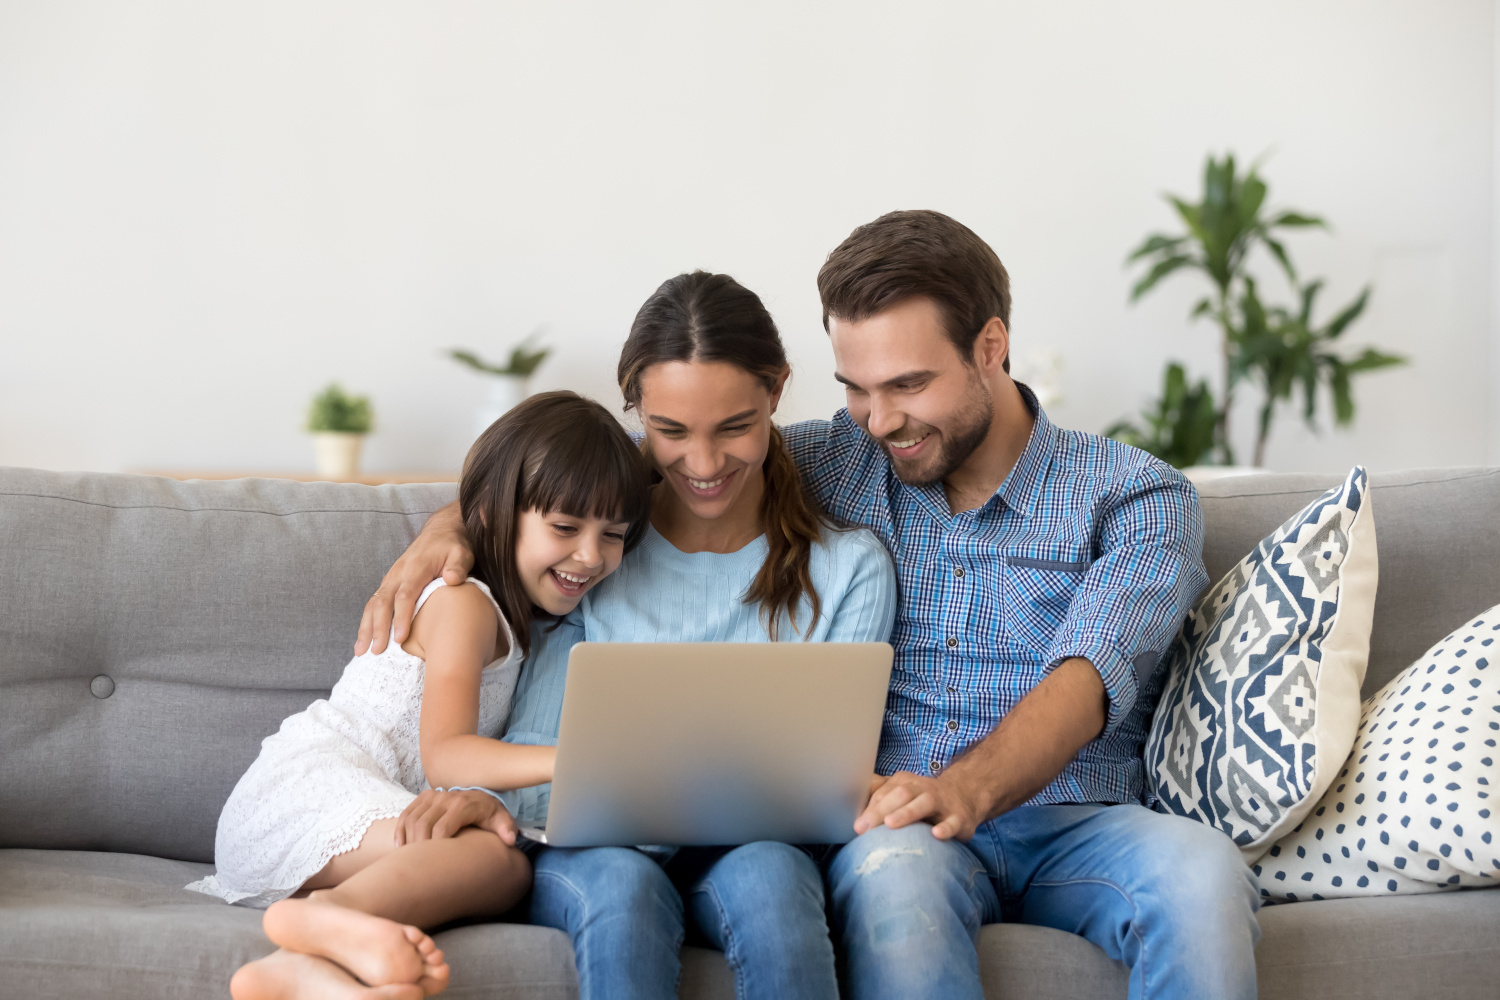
(587, 477)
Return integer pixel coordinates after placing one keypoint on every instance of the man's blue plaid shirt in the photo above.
(1089, 548)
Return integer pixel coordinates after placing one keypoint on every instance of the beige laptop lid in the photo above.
(716, 743)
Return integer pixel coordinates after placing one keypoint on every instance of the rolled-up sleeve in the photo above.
(1148, 571)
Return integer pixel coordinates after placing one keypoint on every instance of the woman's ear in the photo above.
(776, 389)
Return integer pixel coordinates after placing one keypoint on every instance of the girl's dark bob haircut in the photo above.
(557, 451)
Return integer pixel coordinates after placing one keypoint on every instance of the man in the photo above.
(1043, 573)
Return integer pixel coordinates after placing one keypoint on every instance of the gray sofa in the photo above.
(152, 633)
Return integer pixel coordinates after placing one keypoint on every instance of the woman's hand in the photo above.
(435, 815)
(442, 549)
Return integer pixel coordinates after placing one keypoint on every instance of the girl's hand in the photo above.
(435, 815)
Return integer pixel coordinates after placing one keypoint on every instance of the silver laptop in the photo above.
(715, 743)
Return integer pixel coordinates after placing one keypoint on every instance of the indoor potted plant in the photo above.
(339, 423)
(1276, 348)
(510, 383)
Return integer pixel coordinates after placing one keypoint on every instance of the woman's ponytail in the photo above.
(793, 525)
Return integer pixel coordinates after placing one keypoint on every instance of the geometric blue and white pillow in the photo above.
(1261, 701)
(1413, 808)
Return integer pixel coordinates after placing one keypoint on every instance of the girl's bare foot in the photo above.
(288, 975)
(375, 950)
(434, 978)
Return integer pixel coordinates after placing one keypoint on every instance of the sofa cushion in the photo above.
(78, 925)
(1413, 809)
(81, 924)
(1262, 694)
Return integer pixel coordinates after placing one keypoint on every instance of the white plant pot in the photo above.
(505, 392)
(338, 453)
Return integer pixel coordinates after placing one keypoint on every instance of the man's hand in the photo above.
(1019, 758)
(905, 798)
(435, 815)
(442, 549)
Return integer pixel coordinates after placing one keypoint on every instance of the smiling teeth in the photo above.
(700, 484)
(908, 444)
(570, 577)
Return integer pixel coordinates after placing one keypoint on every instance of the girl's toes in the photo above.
(434, 979)
(426, 947)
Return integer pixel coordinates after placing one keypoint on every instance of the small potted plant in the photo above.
(510, 382)
(339, 423)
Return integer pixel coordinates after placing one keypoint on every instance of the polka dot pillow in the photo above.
(1412, 808)
(1261, 700)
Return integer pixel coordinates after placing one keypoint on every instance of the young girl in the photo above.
(552, 496)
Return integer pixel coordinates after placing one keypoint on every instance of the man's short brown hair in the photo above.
(902, 255)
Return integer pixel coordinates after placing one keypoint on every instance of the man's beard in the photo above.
(971, 424)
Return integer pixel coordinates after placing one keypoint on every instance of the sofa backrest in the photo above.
(152, 632)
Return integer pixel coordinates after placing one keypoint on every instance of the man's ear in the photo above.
(776, 389)
(992, 347)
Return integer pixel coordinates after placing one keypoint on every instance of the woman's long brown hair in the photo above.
(711, 317)
(557, 451)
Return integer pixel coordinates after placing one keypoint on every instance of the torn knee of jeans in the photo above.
(882, 856)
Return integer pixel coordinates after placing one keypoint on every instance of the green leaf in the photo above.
(1343, 399)
(1192, 215)
(1309, 379)
(1309, 296)
(1372, 360)
(1158, 271)
(1253, 197)
(1351, 312)
(1156, 243)
(1279, 252)
(1296, 219)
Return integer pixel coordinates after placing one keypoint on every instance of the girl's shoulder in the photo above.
(468, 608)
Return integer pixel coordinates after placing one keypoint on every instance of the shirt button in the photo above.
(958, 571)
(952, 725)
(952, 642)
(936, 766)
(952, 689)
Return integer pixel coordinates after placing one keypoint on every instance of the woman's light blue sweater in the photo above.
(662, 594)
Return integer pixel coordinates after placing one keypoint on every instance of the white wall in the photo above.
(208, 210)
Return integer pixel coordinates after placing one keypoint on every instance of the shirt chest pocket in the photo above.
(1037, 593)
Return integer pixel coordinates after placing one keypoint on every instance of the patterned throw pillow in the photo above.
(1412, 809)
(1262, 694)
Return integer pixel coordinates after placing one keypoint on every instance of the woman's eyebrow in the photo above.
(742, 415)
(669, 422)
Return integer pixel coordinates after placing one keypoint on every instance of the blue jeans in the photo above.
(1169, 897)
(760, 904)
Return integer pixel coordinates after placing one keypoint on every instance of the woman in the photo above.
(736, 551)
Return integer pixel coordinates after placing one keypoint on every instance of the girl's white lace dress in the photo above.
(335, 768)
